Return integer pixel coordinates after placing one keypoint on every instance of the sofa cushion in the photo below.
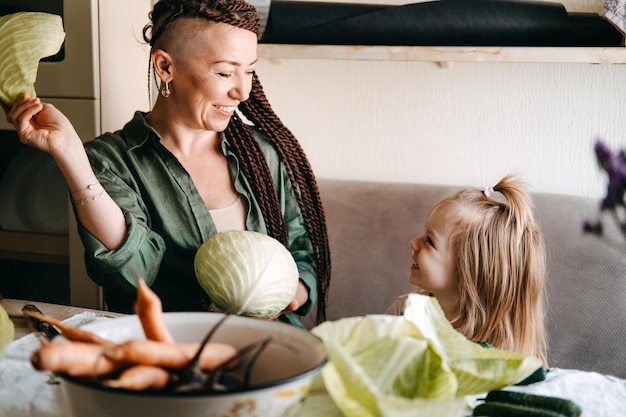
(586, 297)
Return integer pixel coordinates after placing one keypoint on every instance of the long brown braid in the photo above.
(258, 111)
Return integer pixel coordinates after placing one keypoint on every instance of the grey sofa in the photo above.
(370, 225)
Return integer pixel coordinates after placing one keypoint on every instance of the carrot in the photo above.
(149, 309)
(170, 355)
(69, 332)
(140, 377)
(151, 363)
(74, 358)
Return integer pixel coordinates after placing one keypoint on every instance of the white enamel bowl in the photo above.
(281, 376)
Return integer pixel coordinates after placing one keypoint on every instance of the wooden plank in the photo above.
(35, 257)
(35, 244)
(590, 55)
(60, 312)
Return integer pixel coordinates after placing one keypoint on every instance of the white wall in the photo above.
(469, 124)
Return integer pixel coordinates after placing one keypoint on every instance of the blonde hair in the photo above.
(500, 269)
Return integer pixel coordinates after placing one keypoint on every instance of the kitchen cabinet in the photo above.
(36, 247)
(98, 85)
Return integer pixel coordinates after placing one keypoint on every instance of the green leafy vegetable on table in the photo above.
(412, 365)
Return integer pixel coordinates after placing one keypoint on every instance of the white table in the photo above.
(25, 392)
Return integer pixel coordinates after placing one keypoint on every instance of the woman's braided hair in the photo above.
(258, 111)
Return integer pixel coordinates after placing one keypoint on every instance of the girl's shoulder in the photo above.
(397, 307)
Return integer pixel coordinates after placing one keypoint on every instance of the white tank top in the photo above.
(231, 217)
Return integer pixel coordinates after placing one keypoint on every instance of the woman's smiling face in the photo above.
(212, 69)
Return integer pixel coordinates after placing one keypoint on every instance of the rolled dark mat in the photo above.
(590, 29)
(444, 22)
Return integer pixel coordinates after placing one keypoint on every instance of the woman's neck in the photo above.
(180, 140)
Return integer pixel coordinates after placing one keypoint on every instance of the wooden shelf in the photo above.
(443, 54)
(34, 247)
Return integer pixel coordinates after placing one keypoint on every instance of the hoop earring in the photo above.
(165, 91)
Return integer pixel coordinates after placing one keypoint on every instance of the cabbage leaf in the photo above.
(26, 38)
(7, 329)
(412, 365)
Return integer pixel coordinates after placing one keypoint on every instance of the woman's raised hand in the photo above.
(42, 126)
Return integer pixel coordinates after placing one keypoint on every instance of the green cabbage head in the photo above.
(246, 273)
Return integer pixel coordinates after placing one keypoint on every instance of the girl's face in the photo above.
(433, 259)
(212, 73)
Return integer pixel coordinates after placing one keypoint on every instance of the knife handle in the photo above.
(40, 326)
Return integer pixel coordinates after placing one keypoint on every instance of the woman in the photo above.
(147, 196)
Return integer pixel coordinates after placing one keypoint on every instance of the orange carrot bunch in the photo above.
(136, 364)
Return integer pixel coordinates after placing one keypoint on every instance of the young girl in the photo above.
(483, 258)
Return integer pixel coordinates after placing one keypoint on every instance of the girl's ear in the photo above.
(162, 62)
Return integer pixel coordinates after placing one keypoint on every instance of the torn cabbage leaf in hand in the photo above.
(412, 365)
(7, 330)
(26, 38)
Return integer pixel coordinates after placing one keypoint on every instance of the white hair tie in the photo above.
(488, 191)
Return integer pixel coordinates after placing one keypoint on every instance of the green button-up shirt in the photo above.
(167, 219)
